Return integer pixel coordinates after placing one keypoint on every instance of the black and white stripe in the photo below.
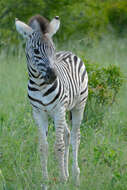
(70, 86)
(57, 82)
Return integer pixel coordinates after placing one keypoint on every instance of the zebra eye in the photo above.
(36, 51)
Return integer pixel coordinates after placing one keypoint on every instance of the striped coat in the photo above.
(58, 82)
(69, 89)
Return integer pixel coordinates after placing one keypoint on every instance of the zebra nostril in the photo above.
(47, 76)
(51, 75)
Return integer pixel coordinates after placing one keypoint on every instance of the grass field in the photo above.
(103, 150)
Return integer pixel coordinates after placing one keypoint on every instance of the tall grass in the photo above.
(103, 152)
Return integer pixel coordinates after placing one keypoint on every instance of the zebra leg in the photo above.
(42, 122)
(60, 123)
(67, 143)
(77, 115)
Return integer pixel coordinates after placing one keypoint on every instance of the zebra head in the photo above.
(40, 50)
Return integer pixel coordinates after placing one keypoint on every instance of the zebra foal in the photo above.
(58, 82)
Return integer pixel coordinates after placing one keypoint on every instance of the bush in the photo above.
(9, 10)
(117, 15)
(78, 19)
(104, 85)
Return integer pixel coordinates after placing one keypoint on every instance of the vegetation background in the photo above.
(96, 30)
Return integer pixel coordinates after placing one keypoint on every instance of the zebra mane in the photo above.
(39, 23)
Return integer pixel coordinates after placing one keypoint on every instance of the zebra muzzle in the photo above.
(50, 75)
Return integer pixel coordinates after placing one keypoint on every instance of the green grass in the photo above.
(103, 150)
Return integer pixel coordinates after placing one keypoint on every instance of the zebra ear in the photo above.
(54, 26)
(23, 28)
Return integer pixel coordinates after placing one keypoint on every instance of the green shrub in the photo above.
(21, 9)
(104, 85)
(78, 19)
(117, 15)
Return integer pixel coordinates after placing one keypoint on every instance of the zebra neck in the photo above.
(36, 81)
(40, 84)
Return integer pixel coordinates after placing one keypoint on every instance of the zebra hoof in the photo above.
(63, 179)
(67, 174)
(44, 187)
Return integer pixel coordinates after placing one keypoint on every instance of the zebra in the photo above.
(58, 82)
